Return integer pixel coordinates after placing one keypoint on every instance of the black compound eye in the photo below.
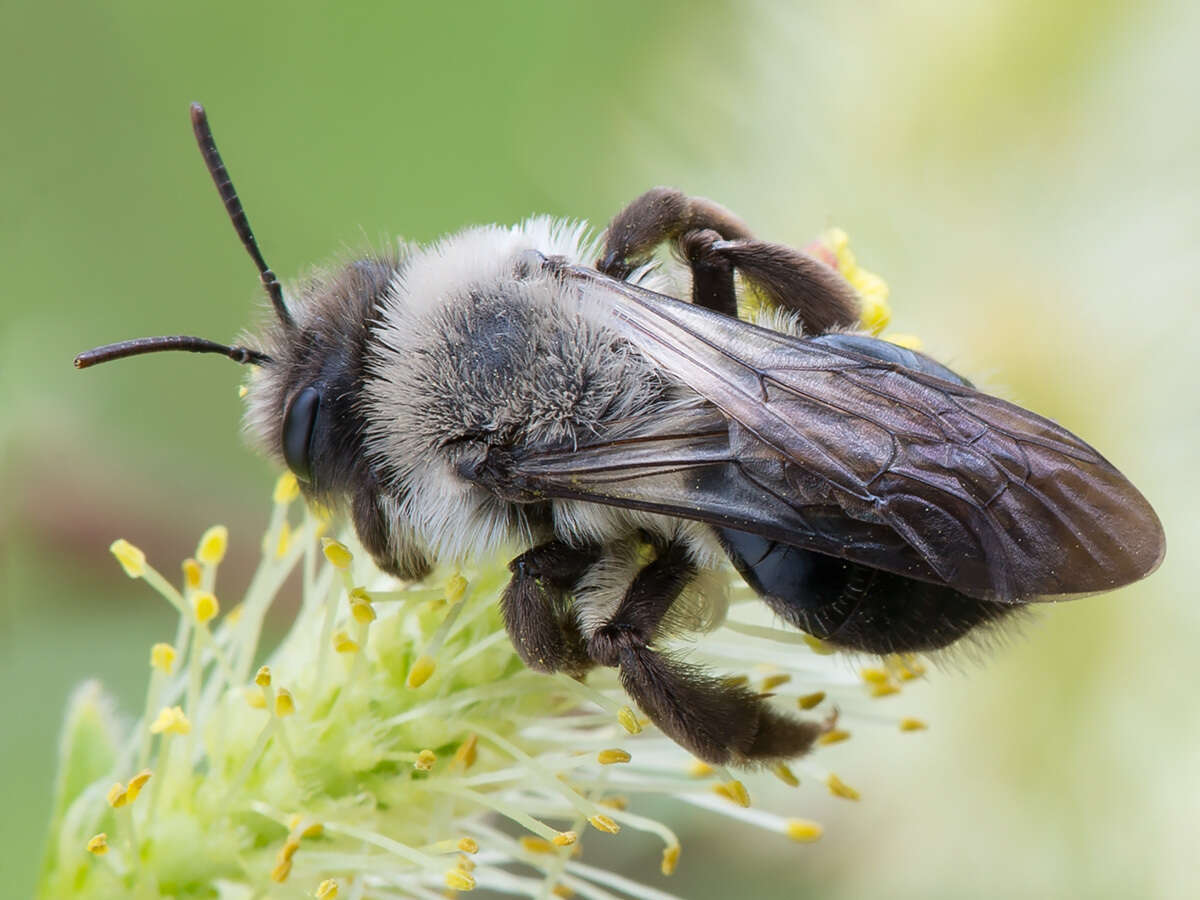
(299, 425)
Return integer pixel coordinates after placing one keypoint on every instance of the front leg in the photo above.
(535, 609)
(716, 721)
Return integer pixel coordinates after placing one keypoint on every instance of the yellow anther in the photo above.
(818, 646)
(773, 681)
(263, 676)
(362, 610)
(912, 725)
(162, 657)
(192, 573)
(287, 489)
(467, 752)
(909, 668)
(874, 676)
(839, 788)
(343, 643)
(281, 870)
(734, 791)
(468, 845)
(98, 844)
(616, 801)
(609, 757)
(629, 720)
(327, 890)
(284, 704)
(132, 560)
(698, 769)
(235, 615)
(337, 553)
(285, 540)
(458, 880)
(803, 831)
(310, 828)
(533, 844)
(670, 859)
(171, 720)
(421, 671)
(425, 761)
(565, 839)
(785, 774)
(255, 697)
(884, 690)
(834, 736)
(736, 680)
(456, 587)
(562, 891)
(809, 701)
(465, 863)
(907, 341)
(136, 783)
(242, 391)
(213, 544)
(205, 606)
(117, 796)
(288, 850)
(604, 823)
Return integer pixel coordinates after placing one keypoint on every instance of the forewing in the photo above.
(924, 476)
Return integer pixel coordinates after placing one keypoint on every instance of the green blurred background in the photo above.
(1026, 175)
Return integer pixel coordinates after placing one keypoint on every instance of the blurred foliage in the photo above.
(1025, 175)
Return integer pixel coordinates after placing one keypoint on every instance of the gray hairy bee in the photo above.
(530, 387)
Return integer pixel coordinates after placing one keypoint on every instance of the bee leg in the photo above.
(716, 721)
(534, 607)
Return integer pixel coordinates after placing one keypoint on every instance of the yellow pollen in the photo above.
(565, 838)
(818, 646)
(327, 890)
(284, 704)
(468, 845)
(604, 823)
(874, 676)
(785, 774)
(912, 725)
(839, 788)
(192, 573)
(458, 880)
(421, 671)
(255, 697)
(132, 560)
(362, 610)
(162, 657)
(287, 489)
(205, 606)
(773, 681)
(343, 643)
(629, 720)
(808, 701)
(670, 859)
(456, 587)
(835, 736)
(171, 720)
(616, 755)
(263, 676)
(98, 844)
(136, 783)
(213, 544)
(426, 760)
(907, 341)
(337, 553)
(734, 791)
(467, 752)
(699, 769)
(533, 844)
(884, 690)
(117, 797)
(281, 870)
(803, 831)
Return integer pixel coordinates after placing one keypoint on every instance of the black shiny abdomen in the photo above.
(849, 604)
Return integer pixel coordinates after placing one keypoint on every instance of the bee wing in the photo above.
(864, 459)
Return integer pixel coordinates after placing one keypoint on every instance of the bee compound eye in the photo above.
(299, 426)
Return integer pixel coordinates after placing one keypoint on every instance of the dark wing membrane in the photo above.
(844, 453)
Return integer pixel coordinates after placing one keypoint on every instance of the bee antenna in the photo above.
(237, 215)
(138, 346)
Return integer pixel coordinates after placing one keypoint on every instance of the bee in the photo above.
(534, 388)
